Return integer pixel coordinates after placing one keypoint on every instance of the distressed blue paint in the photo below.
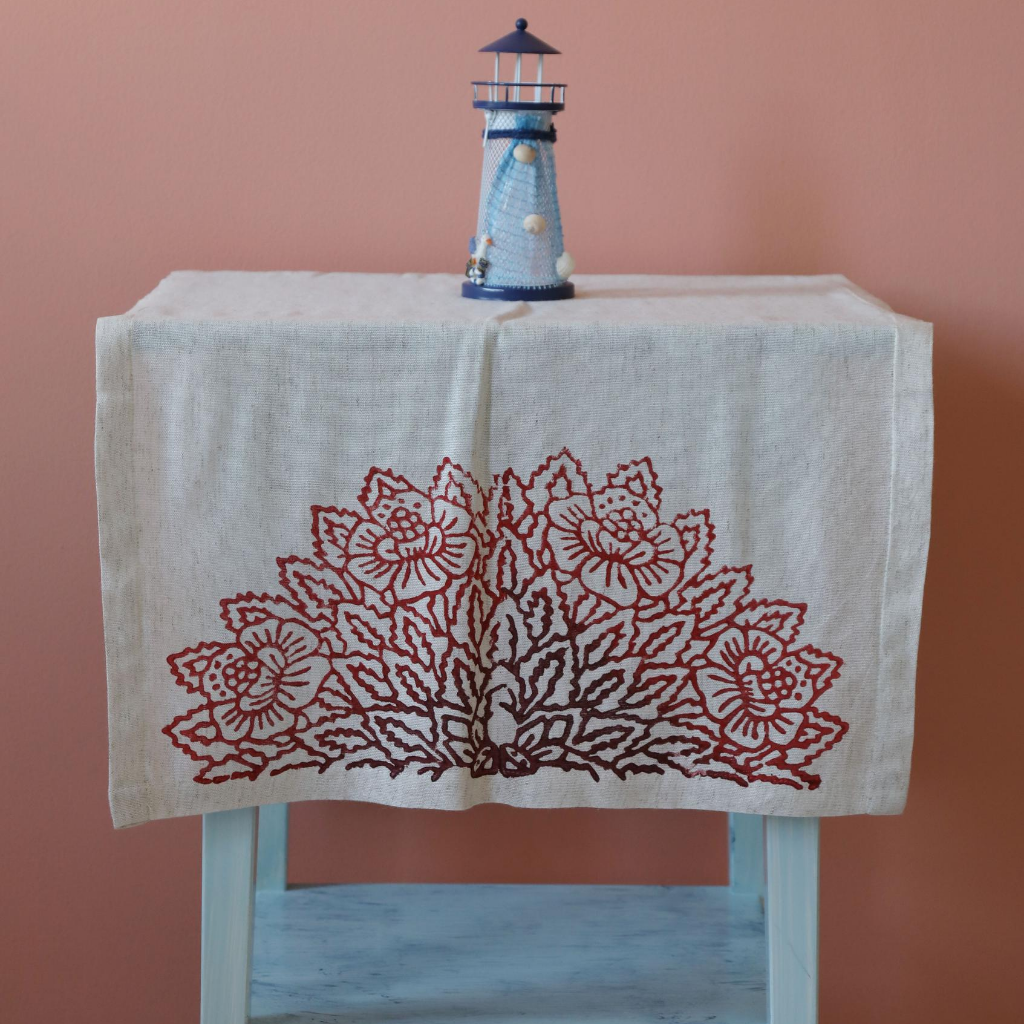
(792, 920)
(272, 852)
(504, 954)
(746, 853)
(229, 862)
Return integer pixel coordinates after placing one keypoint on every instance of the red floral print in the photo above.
(613, 542)
(273, 672)
(541, 624)
(411, 544)
(753, 689)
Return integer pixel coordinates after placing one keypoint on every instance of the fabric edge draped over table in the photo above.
(230, 405)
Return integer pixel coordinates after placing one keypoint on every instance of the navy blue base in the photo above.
(555, 291)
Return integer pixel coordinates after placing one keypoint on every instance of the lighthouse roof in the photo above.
(519, 41)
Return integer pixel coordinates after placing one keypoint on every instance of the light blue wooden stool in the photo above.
(494, 954)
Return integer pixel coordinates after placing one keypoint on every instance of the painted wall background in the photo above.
(879, 138)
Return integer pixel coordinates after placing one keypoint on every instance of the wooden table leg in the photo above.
(272, 851)
(792, 920)
(229, 863)
(746, 853)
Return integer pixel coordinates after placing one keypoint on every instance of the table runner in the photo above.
(659, 546)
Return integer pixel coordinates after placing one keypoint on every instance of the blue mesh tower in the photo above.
(517, 251)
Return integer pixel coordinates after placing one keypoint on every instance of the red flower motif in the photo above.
(256, 687)
(614, 542)
(412, 544)
(533, 627)
(755, 688)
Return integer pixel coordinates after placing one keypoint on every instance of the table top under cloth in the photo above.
(662, 545)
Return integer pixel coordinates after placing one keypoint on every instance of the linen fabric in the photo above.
(662, 545)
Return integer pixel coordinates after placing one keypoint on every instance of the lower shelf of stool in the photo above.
(498, 954)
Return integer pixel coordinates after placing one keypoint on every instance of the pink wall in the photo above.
(880, 138)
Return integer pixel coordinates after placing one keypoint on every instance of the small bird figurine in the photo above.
(477, 264)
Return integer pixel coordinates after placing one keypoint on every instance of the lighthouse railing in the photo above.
(508, 92)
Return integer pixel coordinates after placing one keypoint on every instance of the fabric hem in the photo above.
(906, 560)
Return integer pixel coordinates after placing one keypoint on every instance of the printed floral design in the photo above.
(540, 624)
(411, 544)
(272, 673)
(613, 542)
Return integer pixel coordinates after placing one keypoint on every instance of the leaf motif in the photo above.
(365, 681)
(189, 665)
(458, 742)
(412, 684)
(378, 603)
(476, 616)
(454, 484)
(468, 681)
(532, 735)
(716, 597)
(298, 757)
(682, 749)
(380, 485)
(718, 768)
(665, 639)
(557, 477)
(231, 768)
(509, 567)
(433, 608)
(408, 732)
(682, 702)
(317, 589)
(332, 528)
(516, 762)
(412, 634)
(452, 600)
(604, 688)
(547, 676)
(508, 506)
(606, 640)
(543, 611)
(338, 737)
(651, 691)
(812, 669)
(588, 609)
(359, 632)
(195, 733)
(782, 774)
(604, 737)
(697, 535)
(691, 752)
(248, 609)
(506, 635)
(779, 618)
(821, 732)
(332, 702)
(638, 477)
(486, 760)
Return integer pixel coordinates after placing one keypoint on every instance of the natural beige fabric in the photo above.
(797, 411)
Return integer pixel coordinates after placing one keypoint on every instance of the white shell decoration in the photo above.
(524, 154)
(565, 265)
(534, 223)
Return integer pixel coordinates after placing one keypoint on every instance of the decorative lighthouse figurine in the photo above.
(517, 252)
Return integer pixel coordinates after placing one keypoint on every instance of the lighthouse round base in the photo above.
(556, 291)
